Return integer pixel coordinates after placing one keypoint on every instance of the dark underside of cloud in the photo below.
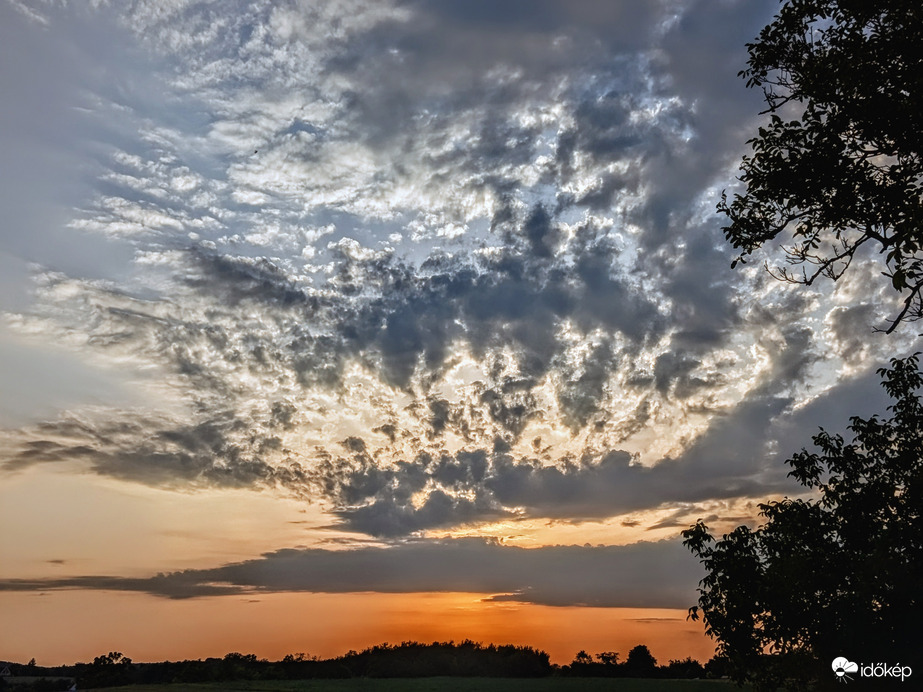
(642, 575)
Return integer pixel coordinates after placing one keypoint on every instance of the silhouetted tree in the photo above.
(832, 576)
(467, 658)
(687, 668)
(718, 667)
(640, 663)
(839, 164)
(606, 665)
(608, 658)
(107, 670)
(238, 666)
(583, 657)
(113, 658)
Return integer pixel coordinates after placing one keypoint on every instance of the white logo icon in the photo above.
(842, 666)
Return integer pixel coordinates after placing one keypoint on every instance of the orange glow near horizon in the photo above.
(68, 626)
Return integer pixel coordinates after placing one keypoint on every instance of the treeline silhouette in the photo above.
(405, 660)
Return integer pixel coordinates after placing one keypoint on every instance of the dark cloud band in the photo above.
(654, 575)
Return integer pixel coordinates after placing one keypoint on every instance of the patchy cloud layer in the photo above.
(429, 264)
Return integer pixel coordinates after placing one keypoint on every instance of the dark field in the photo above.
(445, 685)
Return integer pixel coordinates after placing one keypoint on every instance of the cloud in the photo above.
(474, 241)
(736, 456)
(479, 486)
(848, 325)
(162, 453)
(641, 575)
(240, 331)
(368, 489)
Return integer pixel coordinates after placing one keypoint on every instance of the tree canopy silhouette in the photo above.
(838, 166)
(837, 575)
(640, 662)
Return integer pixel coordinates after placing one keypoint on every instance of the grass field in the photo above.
(445, 685)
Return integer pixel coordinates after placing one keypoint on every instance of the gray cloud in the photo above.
(479, 486)
(214, 453)
(510, 298)
(653, 575)
(405, 68)
(850, 327)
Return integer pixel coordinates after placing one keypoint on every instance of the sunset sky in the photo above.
(324, 324)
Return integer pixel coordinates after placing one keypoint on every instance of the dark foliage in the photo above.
(409, 659)
(108, 670)
(606, 665)
(718, 667)
(405, 660)
(467, 659)
(832, 576)
(839, 164)
(640, 663)
(687, 668)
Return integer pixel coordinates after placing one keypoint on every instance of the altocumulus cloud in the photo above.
(429, 264)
